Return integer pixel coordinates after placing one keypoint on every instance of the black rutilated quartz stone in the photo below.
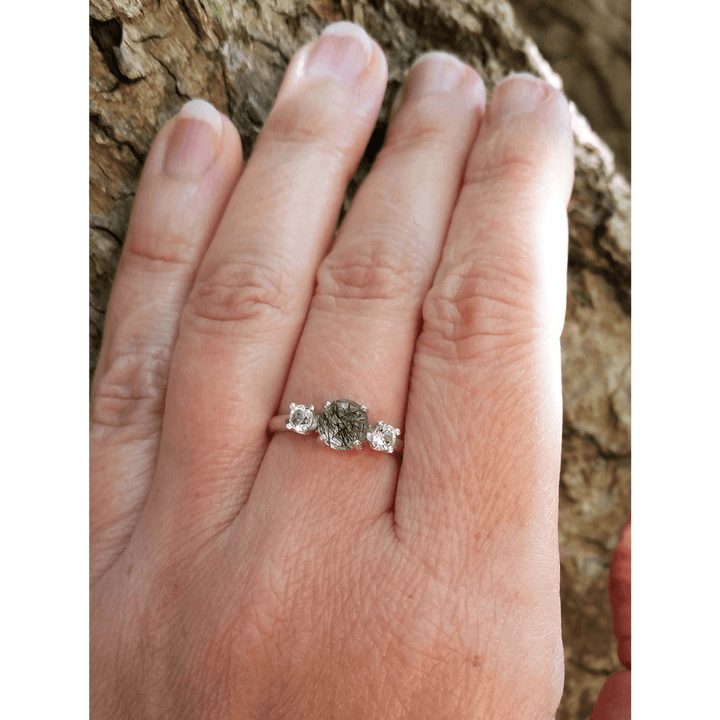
(343, 423)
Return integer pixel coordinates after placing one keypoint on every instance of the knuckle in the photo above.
(325, 124)
(240, 295)
(516, 161)
(130, 389)
(166, 248)
(428, 127)
(377, 269)
(474, 307)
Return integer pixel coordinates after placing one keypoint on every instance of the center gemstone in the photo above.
(342, 424)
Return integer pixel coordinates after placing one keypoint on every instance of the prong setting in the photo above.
(302, 419)
(383, 436)
(342, 425)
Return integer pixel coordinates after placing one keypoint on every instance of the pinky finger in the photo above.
(187, 180)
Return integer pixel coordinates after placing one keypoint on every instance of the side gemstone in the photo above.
(302, 418)
(383, 436)
(343, 424)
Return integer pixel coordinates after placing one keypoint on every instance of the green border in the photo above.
(44, 370)
(676, 471)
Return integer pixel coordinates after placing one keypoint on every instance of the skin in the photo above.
(239, 576)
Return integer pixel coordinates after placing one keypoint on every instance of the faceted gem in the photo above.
(383, 436)
(343, 424)
(302, 418)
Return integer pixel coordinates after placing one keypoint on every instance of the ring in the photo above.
(342, 425)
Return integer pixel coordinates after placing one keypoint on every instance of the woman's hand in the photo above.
(237, 576)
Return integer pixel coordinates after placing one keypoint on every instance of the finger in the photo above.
(186, 181)
(620, 595)
(613, 703)
(482, 445)
(360, 332)
(245, 313)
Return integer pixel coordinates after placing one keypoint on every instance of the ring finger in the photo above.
(359, 337)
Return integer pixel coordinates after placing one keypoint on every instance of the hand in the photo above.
(237, 576)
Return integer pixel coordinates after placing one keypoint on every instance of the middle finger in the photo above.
(360, 334)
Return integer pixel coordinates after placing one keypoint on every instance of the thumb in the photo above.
(613, 702)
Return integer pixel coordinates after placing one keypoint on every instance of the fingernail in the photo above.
(518, 95)
(434, 72)
(194, 141)
(439, 72)
(342, 53)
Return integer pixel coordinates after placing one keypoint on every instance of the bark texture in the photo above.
(148, 59)
(587, 42)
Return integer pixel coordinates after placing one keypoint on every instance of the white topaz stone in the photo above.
(383, 436)
(302, 418)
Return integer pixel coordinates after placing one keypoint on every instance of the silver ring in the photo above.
(342, 425)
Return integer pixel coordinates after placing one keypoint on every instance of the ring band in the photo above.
(342, 425)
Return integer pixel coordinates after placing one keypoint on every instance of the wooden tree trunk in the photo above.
(147, 60)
